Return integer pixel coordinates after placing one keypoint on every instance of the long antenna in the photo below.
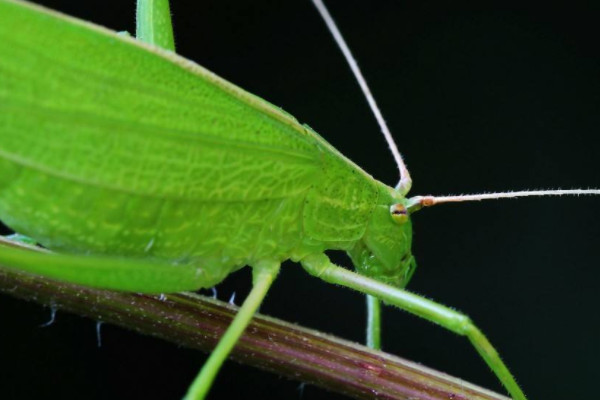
(405, 181)
(418, 202)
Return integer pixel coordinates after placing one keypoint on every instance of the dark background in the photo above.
(484, 98)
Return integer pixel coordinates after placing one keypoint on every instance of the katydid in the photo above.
(321, 220)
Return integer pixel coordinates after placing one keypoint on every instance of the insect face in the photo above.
(384, 252)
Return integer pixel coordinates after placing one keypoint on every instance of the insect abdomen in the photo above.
(72, 217)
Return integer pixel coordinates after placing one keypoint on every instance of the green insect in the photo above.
(151, 174)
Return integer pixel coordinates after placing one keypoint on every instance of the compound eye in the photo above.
(399, 213)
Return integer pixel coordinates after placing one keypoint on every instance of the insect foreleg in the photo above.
(320, 266)
(263, 276)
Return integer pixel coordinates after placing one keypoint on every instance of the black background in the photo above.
(483, 98)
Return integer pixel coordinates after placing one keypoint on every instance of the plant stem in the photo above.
(299, 353)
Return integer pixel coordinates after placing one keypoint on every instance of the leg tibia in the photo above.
(319, 265)
(373, 322)
(263, 276)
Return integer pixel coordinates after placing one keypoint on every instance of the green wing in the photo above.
(142, 120)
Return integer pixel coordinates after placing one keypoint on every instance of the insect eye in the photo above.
(399, 213)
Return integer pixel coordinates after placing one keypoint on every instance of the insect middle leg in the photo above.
(263, 276)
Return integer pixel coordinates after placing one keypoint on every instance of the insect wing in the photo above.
(141, 120)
